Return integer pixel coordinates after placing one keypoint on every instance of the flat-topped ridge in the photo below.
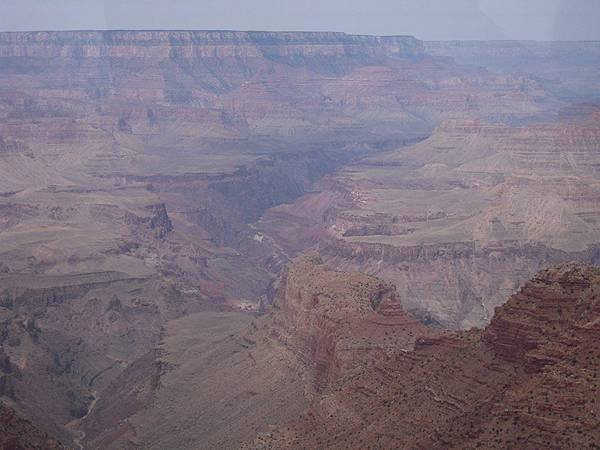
(194, 36)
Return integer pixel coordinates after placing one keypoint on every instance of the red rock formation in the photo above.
(529, 380)
(458, 221)
(340, 322)
(558, 308)
(17, 433)
(324, 327)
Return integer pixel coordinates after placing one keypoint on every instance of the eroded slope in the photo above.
(529, 380)
(459, 220)
(227, 376)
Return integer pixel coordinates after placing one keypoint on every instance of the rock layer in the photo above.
(529, 380)
(340, 321)
(458, 220)
(18, 433)
(224, 376)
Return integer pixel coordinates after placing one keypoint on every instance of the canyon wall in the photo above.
(529, 380)
(134, 165)
(252, 373)
(567, 69)
(337, 363)
(217, 44)
(461, 219)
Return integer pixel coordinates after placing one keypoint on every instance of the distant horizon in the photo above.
(428, 20)
(231, 30)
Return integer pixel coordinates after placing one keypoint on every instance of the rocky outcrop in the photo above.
(340, 322)
(160, 221)
(456, 285)
(529, 380)
(18, 433)
(323, 327)
(557, 311)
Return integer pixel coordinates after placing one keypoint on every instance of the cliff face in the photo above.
(458, 221)
(528, 380)
(337, 363)
(18, 433)
(220, 44)
(131, 164)
(551, 320)
(323, 327)
(127, 95)
(340, 321)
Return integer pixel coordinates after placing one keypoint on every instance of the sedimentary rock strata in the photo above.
(529, 380)
(19, 433)
(150, 176)
(224, 375)
(340, 320)
(459, 220)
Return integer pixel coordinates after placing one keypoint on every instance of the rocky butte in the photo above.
(155, 187)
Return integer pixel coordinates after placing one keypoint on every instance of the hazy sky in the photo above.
(425, 19)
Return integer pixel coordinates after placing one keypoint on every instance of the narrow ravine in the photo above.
(74, 425)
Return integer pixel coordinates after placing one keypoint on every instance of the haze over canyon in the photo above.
(223, 239)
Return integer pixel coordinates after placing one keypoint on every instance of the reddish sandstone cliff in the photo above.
(221, 377)
(530, 380)
(340, 322)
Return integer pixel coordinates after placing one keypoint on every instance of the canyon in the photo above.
(460, 220)
(155, 187)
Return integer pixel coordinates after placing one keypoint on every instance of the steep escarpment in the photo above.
(497, 388)
(248, 373)
(82, 44)
(461, 219)
(129, 160)
(130, 96)
(552, 315)
(340, 321)
(224, 205)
